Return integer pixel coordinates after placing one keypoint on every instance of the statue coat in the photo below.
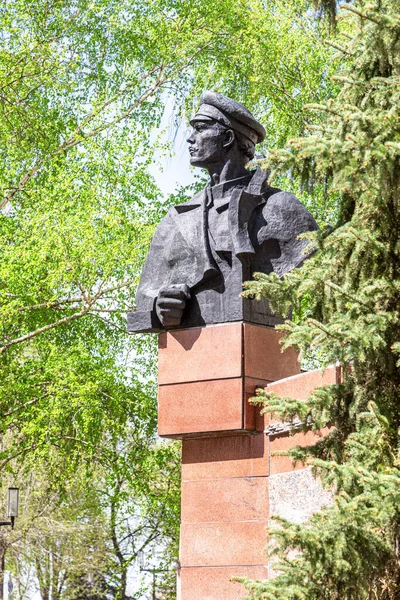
(257, 232)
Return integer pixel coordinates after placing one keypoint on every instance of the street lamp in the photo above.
(12, 506)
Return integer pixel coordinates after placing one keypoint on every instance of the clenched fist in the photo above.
(171, 302)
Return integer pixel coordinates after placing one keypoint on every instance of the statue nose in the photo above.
(190, 138)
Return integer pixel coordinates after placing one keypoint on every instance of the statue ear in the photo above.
(229, 138)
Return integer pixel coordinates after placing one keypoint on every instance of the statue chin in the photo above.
(197, 162)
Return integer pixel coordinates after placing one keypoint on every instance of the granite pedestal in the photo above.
(231, 479)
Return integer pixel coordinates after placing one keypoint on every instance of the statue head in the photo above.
(222, 129)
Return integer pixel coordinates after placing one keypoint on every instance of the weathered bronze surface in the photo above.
(204, 249)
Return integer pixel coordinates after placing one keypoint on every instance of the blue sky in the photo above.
(173, 171)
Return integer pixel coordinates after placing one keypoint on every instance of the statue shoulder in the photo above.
(285, 216)
(285, 200)
(194, 202)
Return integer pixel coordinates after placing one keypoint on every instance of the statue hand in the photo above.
(171, 302)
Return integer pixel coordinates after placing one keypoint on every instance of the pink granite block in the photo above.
(213, 352)
(253, 419)
(300, 386)
(232, 499)
(284, 442)
(263, 356)
(215, 583)
(231, 456)
(200, 407)
(223, 544)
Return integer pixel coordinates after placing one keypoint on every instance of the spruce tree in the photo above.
(346, 300)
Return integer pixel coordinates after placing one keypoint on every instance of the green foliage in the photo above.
(346, 300)
(83, 84)
(86, 541)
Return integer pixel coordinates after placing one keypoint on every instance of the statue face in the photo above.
(206, 144)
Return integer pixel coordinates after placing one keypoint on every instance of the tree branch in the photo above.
(21, 407)
(41, 330)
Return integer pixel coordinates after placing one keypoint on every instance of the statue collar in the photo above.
(223, 190)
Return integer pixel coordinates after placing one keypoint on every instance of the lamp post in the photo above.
(12, 506)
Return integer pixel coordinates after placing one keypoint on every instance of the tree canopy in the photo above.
(83, 85)
(347, 302)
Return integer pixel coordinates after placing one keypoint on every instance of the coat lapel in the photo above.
(241, 208)
(191, 221)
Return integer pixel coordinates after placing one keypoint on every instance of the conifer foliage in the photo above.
(347, 301)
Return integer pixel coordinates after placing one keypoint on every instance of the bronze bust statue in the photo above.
(204, 249)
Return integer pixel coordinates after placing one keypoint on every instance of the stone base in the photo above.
(206, 376)
(225, 512)
(232, 480)
(216, 583)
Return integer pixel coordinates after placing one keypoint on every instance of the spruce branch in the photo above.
(359, 13)
(337, 46)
